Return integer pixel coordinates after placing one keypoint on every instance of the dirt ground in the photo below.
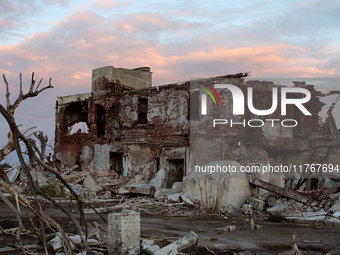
(274, 238)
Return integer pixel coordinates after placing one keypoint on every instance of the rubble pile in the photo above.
(187, 241)
(182, 206)
(322, 206)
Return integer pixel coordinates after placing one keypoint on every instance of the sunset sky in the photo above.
(66, 39)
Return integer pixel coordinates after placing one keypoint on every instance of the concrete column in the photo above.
(124, 233)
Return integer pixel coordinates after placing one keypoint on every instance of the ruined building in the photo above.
(133, 129)
(134, 134)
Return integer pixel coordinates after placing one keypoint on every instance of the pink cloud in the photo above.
(84, 41)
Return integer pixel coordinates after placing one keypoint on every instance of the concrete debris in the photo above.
(149, 206)
(248, 209)
(187, 241)
(142, 189)
(336, 206)
(174, 198)
(75, 178)
(227, 229)
(150, 245)
(325, 211)
(77, 240)
(12, 173)
(153, 248)
(177, 187)
(159, 182)
(147, 243)
(278, 190)
(124, 233)
(78, 189)
(336, 215)
(56, 242)
(257, 204)
(186, 200)
(285, 206)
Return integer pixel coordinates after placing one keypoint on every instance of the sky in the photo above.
(66, 39)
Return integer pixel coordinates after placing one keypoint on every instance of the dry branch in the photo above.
(9, 147)
(18, 216)
(13, 144)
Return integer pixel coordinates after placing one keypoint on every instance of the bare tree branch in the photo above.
(14, 137)
(31, 93)
(9, 147)
(49, 221)
(17, 215)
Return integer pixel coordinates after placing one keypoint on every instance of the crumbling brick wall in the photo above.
(114, 126)
(137, 132)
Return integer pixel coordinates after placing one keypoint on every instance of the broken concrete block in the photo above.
(308, 209)
(336, 215)
(247, 209)
(77, 240)
(173, 199)
(173, 252)
(147, 243)
(231, 228)
(271, 202)
(284, 207)
(334, 196)
(256, 227)
(77, 189)
(13, 173)
(177, 186)
(124, 233)
(159, 181)
(335, 207)
(328, 205)
(143, 189)
(291, 214)
(186, 200)
(153, 248)
(227, 229)
(263, 197)
(257, 204)
(176, 189)
(315, 203)
(56, 242)
(89, 183)
(187, 241)
(298, 205)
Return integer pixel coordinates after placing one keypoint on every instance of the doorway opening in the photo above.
(116, 162)
(176, 172)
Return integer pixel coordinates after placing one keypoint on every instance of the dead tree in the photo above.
(10, 108)
(15, 136)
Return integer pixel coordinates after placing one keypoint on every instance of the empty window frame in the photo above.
(74, 113)
(143, 110)
(116, 162)
(100, 121)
